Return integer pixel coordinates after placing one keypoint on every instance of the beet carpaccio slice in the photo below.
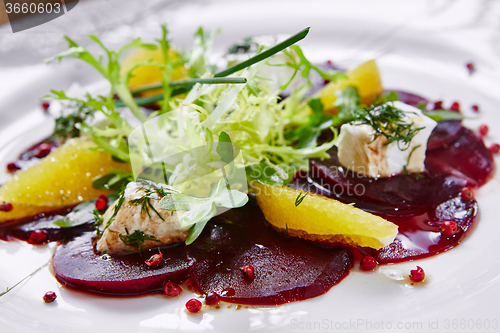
(286, 269)
(76, 264)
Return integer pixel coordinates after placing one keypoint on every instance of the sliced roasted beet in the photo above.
(76, 264)
(409, 98)
(285, 269)
(401, 192)
(420, 235)
(444, 133)
(466, 157)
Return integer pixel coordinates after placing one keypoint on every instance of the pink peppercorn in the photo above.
(193, 305)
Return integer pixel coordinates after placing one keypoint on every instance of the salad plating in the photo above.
(345, 173)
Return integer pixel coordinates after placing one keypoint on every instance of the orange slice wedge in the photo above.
(62, 178)
(321, 219)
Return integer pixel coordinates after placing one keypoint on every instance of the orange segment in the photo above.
(321, 219)
(62, 178)
(365, 77)
(149, 74)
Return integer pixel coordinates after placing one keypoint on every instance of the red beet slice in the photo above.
(444, 133)
(286, 269)
(401, 192)
(410, 98)
(466, 158)
(75, 264)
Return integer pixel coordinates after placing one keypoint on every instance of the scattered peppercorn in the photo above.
(49, 297)
(438, 105)
(172, 289)
(417, 275)
(368, 263)
(193, 305)
(212, 299)
(155, 260)
(104, 197)
(455, 106)
(475, 108)
(43, 150)
(483, 130)
(449, 228)
(467, 193)
(37, 237)
(12, 167)
(100, 204)
(471, 67)
(248, 270)
(45, 106)
(494, 148)
(6, 207)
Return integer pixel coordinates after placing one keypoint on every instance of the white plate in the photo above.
(421, 47)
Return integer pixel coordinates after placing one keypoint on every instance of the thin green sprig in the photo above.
(191, 82)
(25, 278)
(136, 239)
(231, 70)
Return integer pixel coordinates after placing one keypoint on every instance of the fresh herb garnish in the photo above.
(99, 219)
(66, 126)
(116, 208)
(385, 119)
(300, 198)
(390, 122)
(198, 211)
(145, 201)
(25, 278)
(307, 135)
(137, 238)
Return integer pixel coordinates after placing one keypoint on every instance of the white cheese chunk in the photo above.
(357, 151)
(132, 217)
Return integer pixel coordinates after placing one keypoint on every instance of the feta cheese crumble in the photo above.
(359, 152)
(131, 217)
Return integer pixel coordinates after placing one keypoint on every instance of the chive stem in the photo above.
(186, 85)
(264, 55)
(191, 82)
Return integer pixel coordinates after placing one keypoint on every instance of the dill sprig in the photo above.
(116, 208)
(25, 278)
(65, 126)
(145, 200)
(299, 199)
(136, 239)
(98, 220)
(390, 122)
